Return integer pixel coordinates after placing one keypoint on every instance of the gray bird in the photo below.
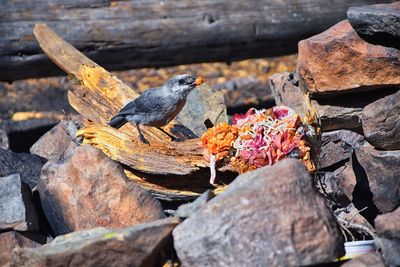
(157, 106)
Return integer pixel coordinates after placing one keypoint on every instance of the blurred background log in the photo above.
(134, 34)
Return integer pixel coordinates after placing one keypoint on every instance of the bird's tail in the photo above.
(117, 121)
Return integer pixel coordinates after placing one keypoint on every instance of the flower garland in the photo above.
(257, 138)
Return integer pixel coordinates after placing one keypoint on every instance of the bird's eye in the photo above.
(181, 81)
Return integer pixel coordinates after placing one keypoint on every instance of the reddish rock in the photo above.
(268, 217)
(338, 61)
(17, 210)
(89, 190)
(140, 245)
(53, 144)
(381, 124)
(388, 236)
(382, 171)
(13, 239)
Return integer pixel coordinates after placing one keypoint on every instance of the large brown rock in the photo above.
(140, 245)
(17, 210)
(382, 171)
(388, 236)
(338, 61)
(381, 124)
(89, 190)
(268, 217)
(13, 239)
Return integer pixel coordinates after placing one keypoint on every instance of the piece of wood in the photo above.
(101, 94)
(171, 170)
(136, 34)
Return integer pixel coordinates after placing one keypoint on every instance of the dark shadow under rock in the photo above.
(27, 165)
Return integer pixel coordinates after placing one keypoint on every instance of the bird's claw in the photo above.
(144, 140)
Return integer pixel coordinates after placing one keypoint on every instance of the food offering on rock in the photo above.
(259, 138)
(217, 143)
(199, 81)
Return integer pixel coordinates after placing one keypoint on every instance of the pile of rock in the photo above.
(352, 75)
(273, 216)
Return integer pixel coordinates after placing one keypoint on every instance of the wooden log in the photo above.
(179, 166)
(135, 34)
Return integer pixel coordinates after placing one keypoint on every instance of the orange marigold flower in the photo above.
(219, 138)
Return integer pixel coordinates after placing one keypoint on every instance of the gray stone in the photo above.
(16, 207)
(286, 91)
(203, 103)
(336, 116)
(27, 165)
(268, 217)
(339, 184)
(379, 24)
(54, 143)
(186, 210)
(381, 124)
(382, 171)
(388, 236)
(337, 146)
(140, 245)
(4, 139)
(88, 190)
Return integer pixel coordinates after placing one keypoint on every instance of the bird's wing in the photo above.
(149, 101)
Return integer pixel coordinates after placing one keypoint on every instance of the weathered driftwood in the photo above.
(136, 34)
(172, 170)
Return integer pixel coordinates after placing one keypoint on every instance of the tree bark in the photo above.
(135, 34)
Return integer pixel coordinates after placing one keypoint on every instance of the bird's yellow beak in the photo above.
(199, 80)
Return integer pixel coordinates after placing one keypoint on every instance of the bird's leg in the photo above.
(170, 136)
(141, 137)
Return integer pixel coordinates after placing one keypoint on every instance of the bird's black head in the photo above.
(182, 84)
